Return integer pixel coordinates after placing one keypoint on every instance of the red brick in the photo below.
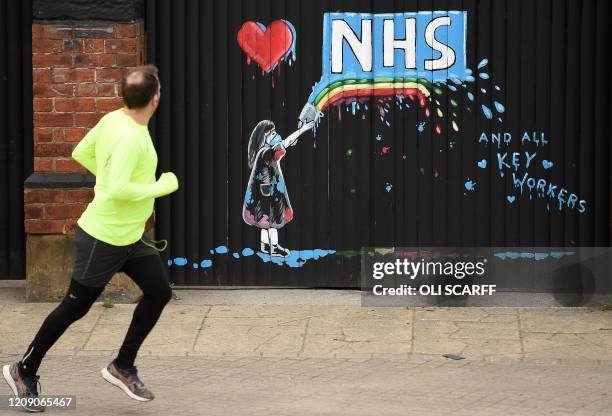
(57, 211)
(44, 226)
(107, 90)
(93, 45)
(53, 120)
(73, 45)
(42, 104)
(69, 226)
(109, 75)
(41, 76)
(51, 61)
(75, 105)
(120, 45)
(43, 164)
(82, 60)
(87, 119)
(85, 75)
(86, 90)
(127, 30)
(38, 31)
(31, 195)
(107, 60)
(63, 75)
(33, 211)
(53, 149)
(43, 134)
(53, 90)
(59, 135)
(127, 60)
(109, 104)
(47, 45)
(68, 165)
(75, 134)
(79, 195)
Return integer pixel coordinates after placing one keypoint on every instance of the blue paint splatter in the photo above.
(482, 164)
(195, 265)
(499, 107)
(483, 75)
(389, 187)
(236, 255)
(546, 164)
(470, 185)
(470, 96)
(297, 258)
(510, 198)
(247, 252)
(515, 255)
(482, 90)
(421, 127)
(169, 262)
(487, 112)
(180, 261)
(221, 250)
(497, 88)
(483, 63)
(206, 263)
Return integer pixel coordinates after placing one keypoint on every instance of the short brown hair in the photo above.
(139, 86)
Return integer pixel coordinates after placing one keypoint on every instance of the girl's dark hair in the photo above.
(139, 86)
(256, 141)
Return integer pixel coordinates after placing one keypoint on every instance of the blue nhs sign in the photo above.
(428, 45)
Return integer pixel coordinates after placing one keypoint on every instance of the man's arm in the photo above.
(123, 161)
(85, 151)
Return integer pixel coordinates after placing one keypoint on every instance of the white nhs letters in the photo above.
(362, 46)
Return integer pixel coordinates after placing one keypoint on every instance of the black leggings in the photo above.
(149, 274)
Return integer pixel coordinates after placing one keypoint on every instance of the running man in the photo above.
(110, 237)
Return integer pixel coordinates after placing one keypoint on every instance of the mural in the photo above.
(266, 200)
(411, 121)
(268, 46)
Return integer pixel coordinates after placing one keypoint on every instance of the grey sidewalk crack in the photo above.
(93, 328)
(199, 328)
(304, 335)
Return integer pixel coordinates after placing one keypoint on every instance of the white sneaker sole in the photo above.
(6, 372)
(118, 383)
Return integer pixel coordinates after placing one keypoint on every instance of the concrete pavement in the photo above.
(304, 352)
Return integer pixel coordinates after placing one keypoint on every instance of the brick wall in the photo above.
(76, 71)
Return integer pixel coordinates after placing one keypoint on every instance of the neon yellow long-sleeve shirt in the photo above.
(120, 153)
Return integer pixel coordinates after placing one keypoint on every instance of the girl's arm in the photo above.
(293, 137)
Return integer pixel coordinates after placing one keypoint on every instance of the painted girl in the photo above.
(266, 201)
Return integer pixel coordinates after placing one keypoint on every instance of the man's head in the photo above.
(141, 88)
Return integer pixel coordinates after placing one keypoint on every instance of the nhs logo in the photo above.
(429, 45)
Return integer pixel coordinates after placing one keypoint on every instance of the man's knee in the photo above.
(75, 307)
(161, 295)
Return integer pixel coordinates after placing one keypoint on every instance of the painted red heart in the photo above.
(266, 46)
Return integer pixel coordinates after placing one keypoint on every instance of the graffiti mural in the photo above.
(268, 46)
(405, 127)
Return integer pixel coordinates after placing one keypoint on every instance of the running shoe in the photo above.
(23, 387)
(128, 381)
